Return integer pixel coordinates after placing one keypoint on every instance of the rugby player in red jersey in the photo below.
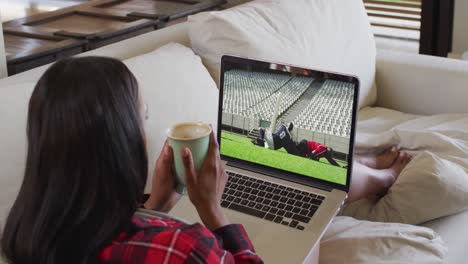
(316, 151)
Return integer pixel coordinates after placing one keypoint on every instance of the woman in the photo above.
(85, 173)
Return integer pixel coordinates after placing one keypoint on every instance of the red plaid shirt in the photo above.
(164, 240)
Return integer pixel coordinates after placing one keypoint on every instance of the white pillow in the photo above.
(177, 88)
(429, 187)
(332, 35)
(352, 241)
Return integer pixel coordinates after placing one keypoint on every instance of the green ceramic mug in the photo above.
(194, 136)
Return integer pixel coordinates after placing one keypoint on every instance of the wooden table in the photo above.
(41, 39)
(27, 51)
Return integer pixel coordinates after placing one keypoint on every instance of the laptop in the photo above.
(286, 134)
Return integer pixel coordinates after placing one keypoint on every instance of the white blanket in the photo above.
(445, 135)
(435, 183)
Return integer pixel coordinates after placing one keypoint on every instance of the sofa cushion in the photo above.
(353, 241)
(332, 35)
(14, 102)
(177, 88)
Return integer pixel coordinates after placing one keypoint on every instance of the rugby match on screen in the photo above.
(288, 119)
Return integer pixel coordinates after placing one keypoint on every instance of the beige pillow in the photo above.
(353, 241)
(429, 187)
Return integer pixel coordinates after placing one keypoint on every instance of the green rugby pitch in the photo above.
(238, 146)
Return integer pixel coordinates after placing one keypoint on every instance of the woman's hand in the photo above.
(163, 195)
(206, 187)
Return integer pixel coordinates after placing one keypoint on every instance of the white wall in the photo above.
(3, 67)
(460, 30)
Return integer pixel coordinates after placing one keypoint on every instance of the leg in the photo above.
(381, 161)
(259, 141)
(314, 157)
(367, 181)
(290, 147)
(318, 153)
(290, 127)
(261, 133)
(330, 159)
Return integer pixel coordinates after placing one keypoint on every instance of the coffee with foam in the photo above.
(194, 136)
(189, 131)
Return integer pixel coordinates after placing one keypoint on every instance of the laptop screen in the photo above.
(288, 118)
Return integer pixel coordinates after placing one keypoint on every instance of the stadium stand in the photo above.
(254, 95)
(289, 94)
(245, 89)
(329, 111)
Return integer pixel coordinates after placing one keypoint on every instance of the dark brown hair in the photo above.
(86, 165)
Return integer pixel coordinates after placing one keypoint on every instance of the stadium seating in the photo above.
(254, 95)
(330, 110)
(244, 89)
(289, 94)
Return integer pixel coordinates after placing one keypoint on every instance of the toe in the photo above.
(406, 155)
(394, 151)
(402, 156)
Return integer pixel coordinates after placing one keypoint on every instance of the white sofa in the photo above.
(3, 65)
(408, 83)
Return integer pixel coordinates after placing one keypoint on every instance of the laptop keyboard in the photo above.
(273, 202)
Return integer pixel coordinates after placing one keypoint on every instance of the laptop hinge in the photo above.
(282, 176)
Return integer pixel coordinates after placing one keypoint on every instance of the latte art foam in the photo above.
(189, 131)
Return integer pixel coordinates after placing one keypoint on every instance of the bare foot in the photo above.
(382, 161)
(389, 176)
(400, 163)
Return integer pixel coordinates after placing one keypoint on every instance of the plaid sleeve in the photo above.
(232, 247)
(160, 240)
(234, 238)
